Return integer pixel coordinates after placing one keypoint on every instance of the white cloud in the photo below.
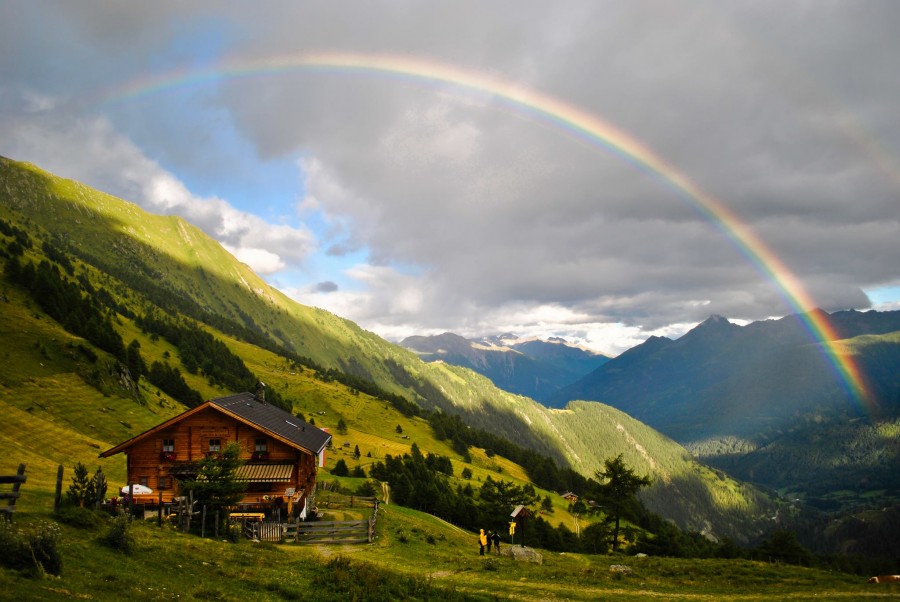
(260, 261)
(88, 149)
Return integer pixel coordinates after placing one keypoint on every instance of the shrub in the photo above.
(81, 518)
(33, 550)
(119, 537)
(367, 489)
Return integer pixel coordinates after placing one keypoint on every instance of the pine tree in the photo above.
(82, 488)
(100, 486)
(619, 486)
(216, 485)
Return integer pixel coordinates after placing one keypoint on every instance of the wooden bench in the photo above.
(16, 480)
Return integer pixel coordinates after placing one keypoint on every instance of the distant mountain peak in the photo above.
(715, 319)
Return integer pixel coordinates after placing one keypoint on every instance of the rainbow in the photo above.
(576, 121)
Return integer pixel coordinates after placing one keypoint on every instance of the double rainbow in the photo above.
(571, 118)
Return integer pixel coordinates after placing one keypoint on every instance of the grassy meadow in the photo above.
(414, 557)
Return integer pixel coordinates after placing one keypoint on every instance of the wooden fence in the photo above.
(12, 496)
(318, 531)
(265, 531)
(339, 500)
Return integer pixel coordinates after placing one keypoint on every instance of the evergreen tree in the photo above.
(619, 486)
(82, 488)
(100, 486)
(547, 505)
(782, 545)
(216, 485)
(595, 538)
(340, 469)
(134, 361)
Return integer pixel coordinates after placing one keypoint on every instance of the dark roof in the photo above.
(246, 408)
(275, 420)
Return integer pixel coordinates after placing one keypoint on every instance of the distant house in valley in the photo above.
(569, 496)
(281, 452)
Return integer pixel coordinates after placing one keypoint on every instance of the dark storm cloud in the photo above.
(326, 287)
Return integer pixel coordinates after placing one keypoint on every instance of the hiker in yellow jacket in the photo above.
(482, 539)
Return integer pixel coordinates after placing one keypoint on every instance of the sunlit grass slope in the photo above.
(414, 557)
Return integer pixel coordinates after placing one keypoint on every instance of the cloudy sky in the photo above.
(545, 168)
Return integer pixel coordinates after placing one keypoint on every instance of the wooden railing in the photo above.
(12, 496)
(329, 499)
(331, 532)
(319, 531)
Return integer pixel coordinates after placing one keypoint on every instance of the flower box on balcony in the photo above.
(167, 456)
(260, 455)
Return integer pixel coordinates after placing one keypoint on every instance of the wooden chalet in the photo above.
(281, 452)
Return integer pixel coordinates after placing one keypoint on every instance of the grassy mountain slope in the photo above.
(149, 263)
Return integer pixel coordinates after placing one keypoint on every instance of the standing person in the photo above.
(496, 538)
(482, 539)
(490, 540)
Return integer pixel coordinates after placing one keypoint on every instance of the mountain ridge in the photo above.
(530, 367)
(763, 402)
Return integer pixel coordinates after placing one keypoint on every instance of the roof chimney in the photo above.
(260, 394)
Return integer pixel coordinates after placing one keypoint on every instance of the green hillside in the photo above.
(67, 399)
(414, 557)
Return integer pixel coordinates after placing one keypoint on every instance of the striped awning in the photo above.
(264, 473)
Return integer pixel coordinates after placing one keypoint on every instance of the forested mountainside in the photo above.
(762, 402)
(533, 368)
(155, 280)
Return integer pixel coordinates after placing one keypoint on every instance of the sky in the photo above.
(601, 171)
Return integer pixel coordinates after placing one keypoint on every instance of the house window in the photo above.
(215, 446)
(165, 482)
(261, 449)
(144, 481)
(168, 445)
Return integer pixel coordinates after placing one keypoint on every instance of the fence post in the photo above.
(58, 498)
(203, 522)
(159, 510)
